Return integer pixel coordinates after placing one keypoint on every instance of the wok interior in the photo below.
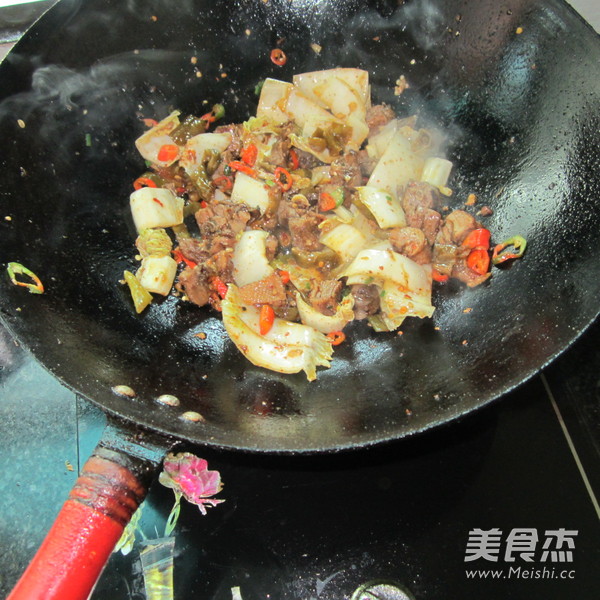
(521, 114)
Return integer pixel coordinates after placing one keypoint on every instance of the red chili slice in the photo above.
(283, 178)
(479, 261)
(238, 165)
(168, 153)
(336, 337)
(141, 182)
(478, 238)
(294, 159)
(278, 57)
(267, 318)
(224, 182)
(249, 155)
(440, 277)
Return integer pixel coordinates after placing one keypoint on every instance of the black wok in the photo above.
(515, 86)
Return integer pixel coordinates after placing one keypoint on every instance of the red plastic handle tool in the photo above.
(106, 494)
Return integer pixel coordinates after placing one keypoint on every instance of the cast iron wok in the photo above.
(521, 108)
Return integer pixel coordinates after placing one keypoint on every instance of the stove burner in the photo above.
(381, 590)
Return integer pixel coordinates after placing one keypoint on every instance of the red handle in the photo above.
(105, 496)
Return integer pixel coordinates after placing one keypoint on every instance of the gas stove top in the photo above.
(503, 504)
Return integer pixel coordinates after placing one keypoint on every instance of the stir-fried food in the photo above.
(320, 210)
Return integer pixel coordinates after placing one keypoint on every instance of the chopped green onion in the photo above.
(15, 269)
(88, 140)
(141, 297)
(258, 88)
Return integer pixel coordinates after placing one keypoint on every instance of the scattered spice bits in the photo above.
(247, 32)
(168, 399)
(69, 466)
(21, 123)
(193, 416)
(485, 211)
(519, 30)
(8, 218)
(154, 18)
(465, 343)
(401, 85)
(316, 48)
(194, 60)
(278, 57)
(471, 200)
(467, 310)
(201, 335)
(124, 390)
(13, 269)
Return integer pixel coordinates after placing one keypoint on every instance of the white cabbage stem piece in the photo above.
(344, 239)
(252, 192)
(397, 166)
(386, 209)
(193, 153)
(405, 285)
(436, 171)
(356, 79)
(326, 323)
(250, 262)
(150, 142)
(273, 99)
(286, 348)
(155, 207)
(157, 274)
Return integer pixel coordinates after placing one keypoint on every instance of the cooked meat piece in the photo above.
(221, 265)
(281, 148)
(485, 211)
(194, 249)
(444, 258)
(366, 163)
(462, 272)
(224, 218)
(305, 232)
(366, 300)
(419, 193)
(345, 171)
(326, 295)
(378, 116)
(425, 219)
(236, 144)
(269, 290)
(457, 225)
(407, 240)
(306, 160)
(420, 201)
(447, 251)
(299, 217)
(425, 257)
(194, 283)
(271, 245)
(291, 205)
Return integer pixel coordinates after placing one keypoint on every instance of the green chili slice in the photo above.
(15, 268)
(503, 252)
